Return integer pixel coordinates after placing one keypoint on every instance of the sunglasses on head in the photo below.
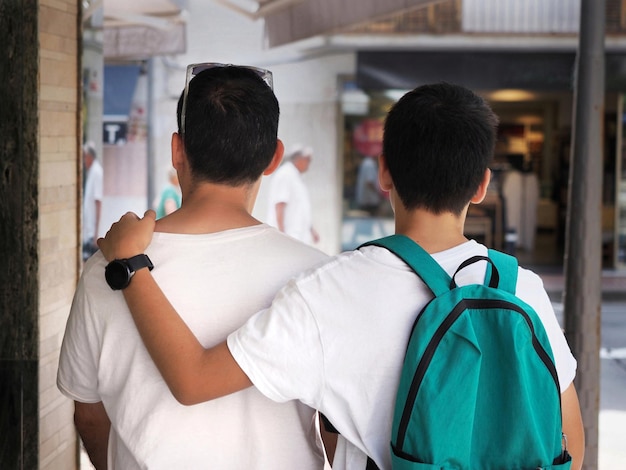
(195, 69)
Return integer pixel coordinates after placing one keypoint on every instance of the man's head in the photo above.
(231, 125)
(438, 143)
(300, 156)
(89, 153)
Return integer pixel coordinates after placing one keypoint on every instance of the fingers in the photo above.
(128, 236)
(129, 215)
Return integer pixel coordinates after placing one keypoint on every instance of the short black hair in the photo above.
(438, 142)
(231, 125)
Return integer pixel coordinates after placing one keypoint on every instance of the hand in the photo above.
(315, 235)
(129, 236)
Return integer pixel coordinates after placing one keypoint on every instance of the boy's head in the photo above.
(438, 143)
(230, 125)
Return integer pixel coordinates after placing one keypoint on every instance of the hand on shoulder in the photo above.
(129, 236)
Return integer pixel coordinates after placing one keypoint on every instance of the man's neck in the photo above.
(210, 208)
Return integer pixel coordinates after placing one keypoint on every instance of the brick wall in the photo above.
(59, 183)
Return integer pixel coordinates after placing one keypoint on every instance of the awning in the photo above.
(139, 29)
(308, 18)
(485, 70)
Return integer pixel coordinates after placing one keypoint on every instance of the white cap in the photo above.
(299, 150)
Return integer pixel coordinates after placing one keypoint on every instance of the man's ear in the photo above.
(178, 151)
(384, 177)
(481, 192)
(276, 159)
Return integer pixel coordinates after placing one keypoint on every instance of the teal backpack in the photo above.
(479, 389)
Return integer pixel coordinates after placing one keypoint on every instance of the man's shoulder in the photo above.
(292, 247)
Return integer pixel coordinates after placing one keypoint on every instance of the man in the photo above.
(212, 255)
(289, 202)
(92, 200)
(335, 337)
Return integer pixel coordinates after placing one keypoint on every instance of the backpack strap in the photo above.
(434, 276)
(507, 268)
(429, 271)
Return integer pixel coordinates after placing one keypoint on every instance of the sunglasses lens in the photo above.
(265, 75)
(195, 69)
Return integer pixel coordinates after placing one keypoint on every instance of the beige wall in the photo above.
(59, 183)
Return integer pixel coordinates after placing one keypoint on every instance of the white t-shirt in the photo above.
(336, 337)
(216, 281)
(93, 193)
(288, 187)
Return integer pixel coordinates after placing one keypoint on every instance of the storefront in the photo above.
(532, 93)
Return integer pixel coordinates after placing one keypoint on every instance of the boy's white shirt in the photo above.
(336, 339)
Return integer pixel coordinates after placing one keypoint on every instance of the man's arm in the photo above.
(573, 426)
(193, 374)
(98, 212)
(281, 207)
(93, 425)
(314, 235)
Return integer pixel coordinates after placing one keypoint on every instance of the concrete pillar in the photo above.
(583, 258)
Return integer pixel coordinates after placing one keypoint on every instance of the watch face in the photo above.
(117, 275)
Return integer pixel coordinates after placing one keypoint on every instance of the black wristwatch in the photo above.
(119, 272)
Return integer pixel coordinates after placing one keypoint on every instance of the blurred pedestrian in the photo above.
(368, 195)
(92, 199)
(170, 198)
(289, 202)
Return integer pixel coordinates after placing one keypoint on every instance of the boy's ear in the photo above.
(276, 159)
(481, 192)
(384, 177)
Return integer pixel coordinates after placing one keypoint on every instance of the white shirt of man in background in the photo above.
(92, 200)
(289, 202)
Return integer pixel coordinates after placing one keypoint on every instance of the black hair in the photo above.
(438, 142)
(231, 125)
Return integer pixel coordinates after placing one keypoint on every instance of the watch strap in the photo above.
(138, 262)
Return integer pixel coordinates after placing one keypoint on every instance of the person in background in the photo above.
(124, 412)
(92, 199)
(368, 196)
(170, 198)
(289, 202)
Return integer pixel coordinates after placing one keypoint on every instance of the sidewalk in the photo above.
(613, 284)
(612, 417)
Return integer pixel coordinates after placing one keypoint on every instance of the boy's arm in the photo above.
(193, 374)
(573, 426)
